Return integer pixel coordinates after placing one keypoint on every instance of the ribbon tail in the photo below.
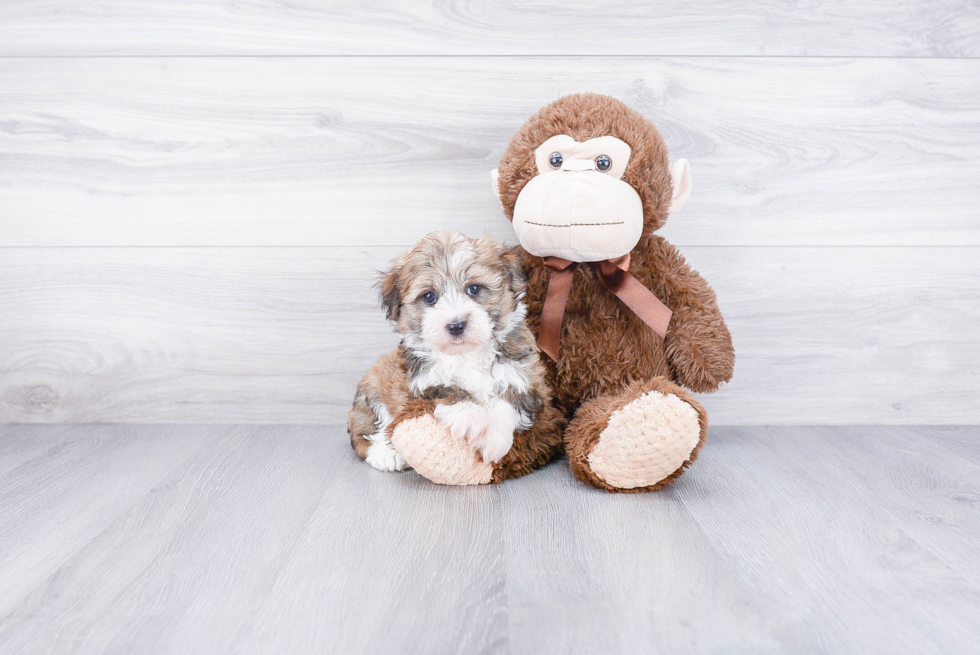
(549, 334)
(638, 298)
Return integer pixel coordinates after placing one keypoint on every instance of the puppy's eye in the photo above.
(603, 163)
(430, 297)
(556, 160)
(473, 290)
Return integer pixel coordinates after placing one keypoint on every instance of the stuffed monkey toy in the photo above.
(627, 326)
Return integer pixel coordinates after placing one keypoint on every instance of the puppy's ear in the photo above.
(391, 300)
(512, 262)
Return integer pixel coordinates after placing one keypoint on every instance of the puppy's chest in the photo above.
(483, 382)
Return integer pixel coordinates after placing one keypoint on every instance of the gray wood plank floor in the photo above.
(211, 539)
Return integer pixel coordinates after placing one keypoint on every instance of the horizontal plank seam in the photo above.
(487, 56)
(405, 245)
(343, 427)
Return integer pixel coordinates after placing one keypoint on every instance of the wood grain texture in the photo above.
(606, 577)
(957, 441)
(277, 539)
(19, 446)
(53, 504)
(921, 28)
(853, 510)
(379, 151)
(254, 533)
(270, 335)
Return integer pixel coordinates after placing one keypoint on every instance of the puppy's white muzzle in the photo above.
(579, 215)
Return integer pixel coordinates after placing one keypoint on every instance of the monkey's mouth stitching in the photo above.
(573, 224)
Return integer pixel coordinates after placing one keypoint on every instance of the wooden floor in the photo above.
(265, 539)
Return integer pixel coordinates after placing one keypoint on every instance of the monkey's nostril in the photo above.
(456, 328)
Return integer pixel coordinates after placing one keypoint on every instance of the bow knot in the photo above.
(614, 274)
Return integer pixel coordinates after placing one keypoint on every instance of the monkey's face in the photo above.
(586, 178)
(578, 207)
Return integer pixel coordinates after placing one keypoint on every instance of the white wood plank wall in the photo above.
(194, 196)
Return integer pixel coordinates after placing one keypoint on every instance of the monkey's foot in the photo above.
(430, 449)
(638, 440)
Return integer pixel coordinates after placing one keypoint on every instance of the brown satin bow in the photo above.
(614, 273)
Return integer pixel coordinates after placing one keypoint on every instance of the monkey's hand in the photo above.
(698, 344)
(700, 348)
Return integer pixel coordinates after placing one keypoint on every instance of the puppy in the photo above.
(457, 303)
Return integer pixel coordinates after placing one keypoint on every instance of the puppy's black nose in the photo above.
(456, 328)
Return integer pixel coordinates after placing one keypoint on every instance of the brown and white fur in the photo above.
(458, 304)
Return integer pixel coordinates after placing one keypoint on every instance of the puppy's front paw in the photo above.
(498, 439)
(464, 420)
(490, 431)
(384, 457)
(493, 443)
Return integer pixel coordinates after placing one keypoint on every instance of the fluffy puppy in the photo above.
(458, 305)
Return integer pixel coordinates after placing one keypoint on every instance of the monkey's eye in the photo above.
(556, 160)
(473, 290)
(430, 297)
(603, 163)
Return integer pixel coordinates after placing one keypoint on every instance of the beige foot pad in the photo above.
(436, 455)
(645, 441)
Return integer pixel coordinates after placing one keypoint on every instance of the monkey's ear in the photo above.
(495, 182)
(391, 300)
(680, 182)
(518, 281)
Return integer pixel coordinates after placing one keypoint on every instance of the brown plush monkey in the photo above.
(626, 322)
(586, 179)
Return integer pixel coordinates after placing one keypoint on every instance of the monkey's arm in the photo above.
(698, 343)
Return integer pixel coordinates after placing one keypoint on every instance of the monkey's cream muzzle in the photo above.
(582, 216)
(578, 207)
